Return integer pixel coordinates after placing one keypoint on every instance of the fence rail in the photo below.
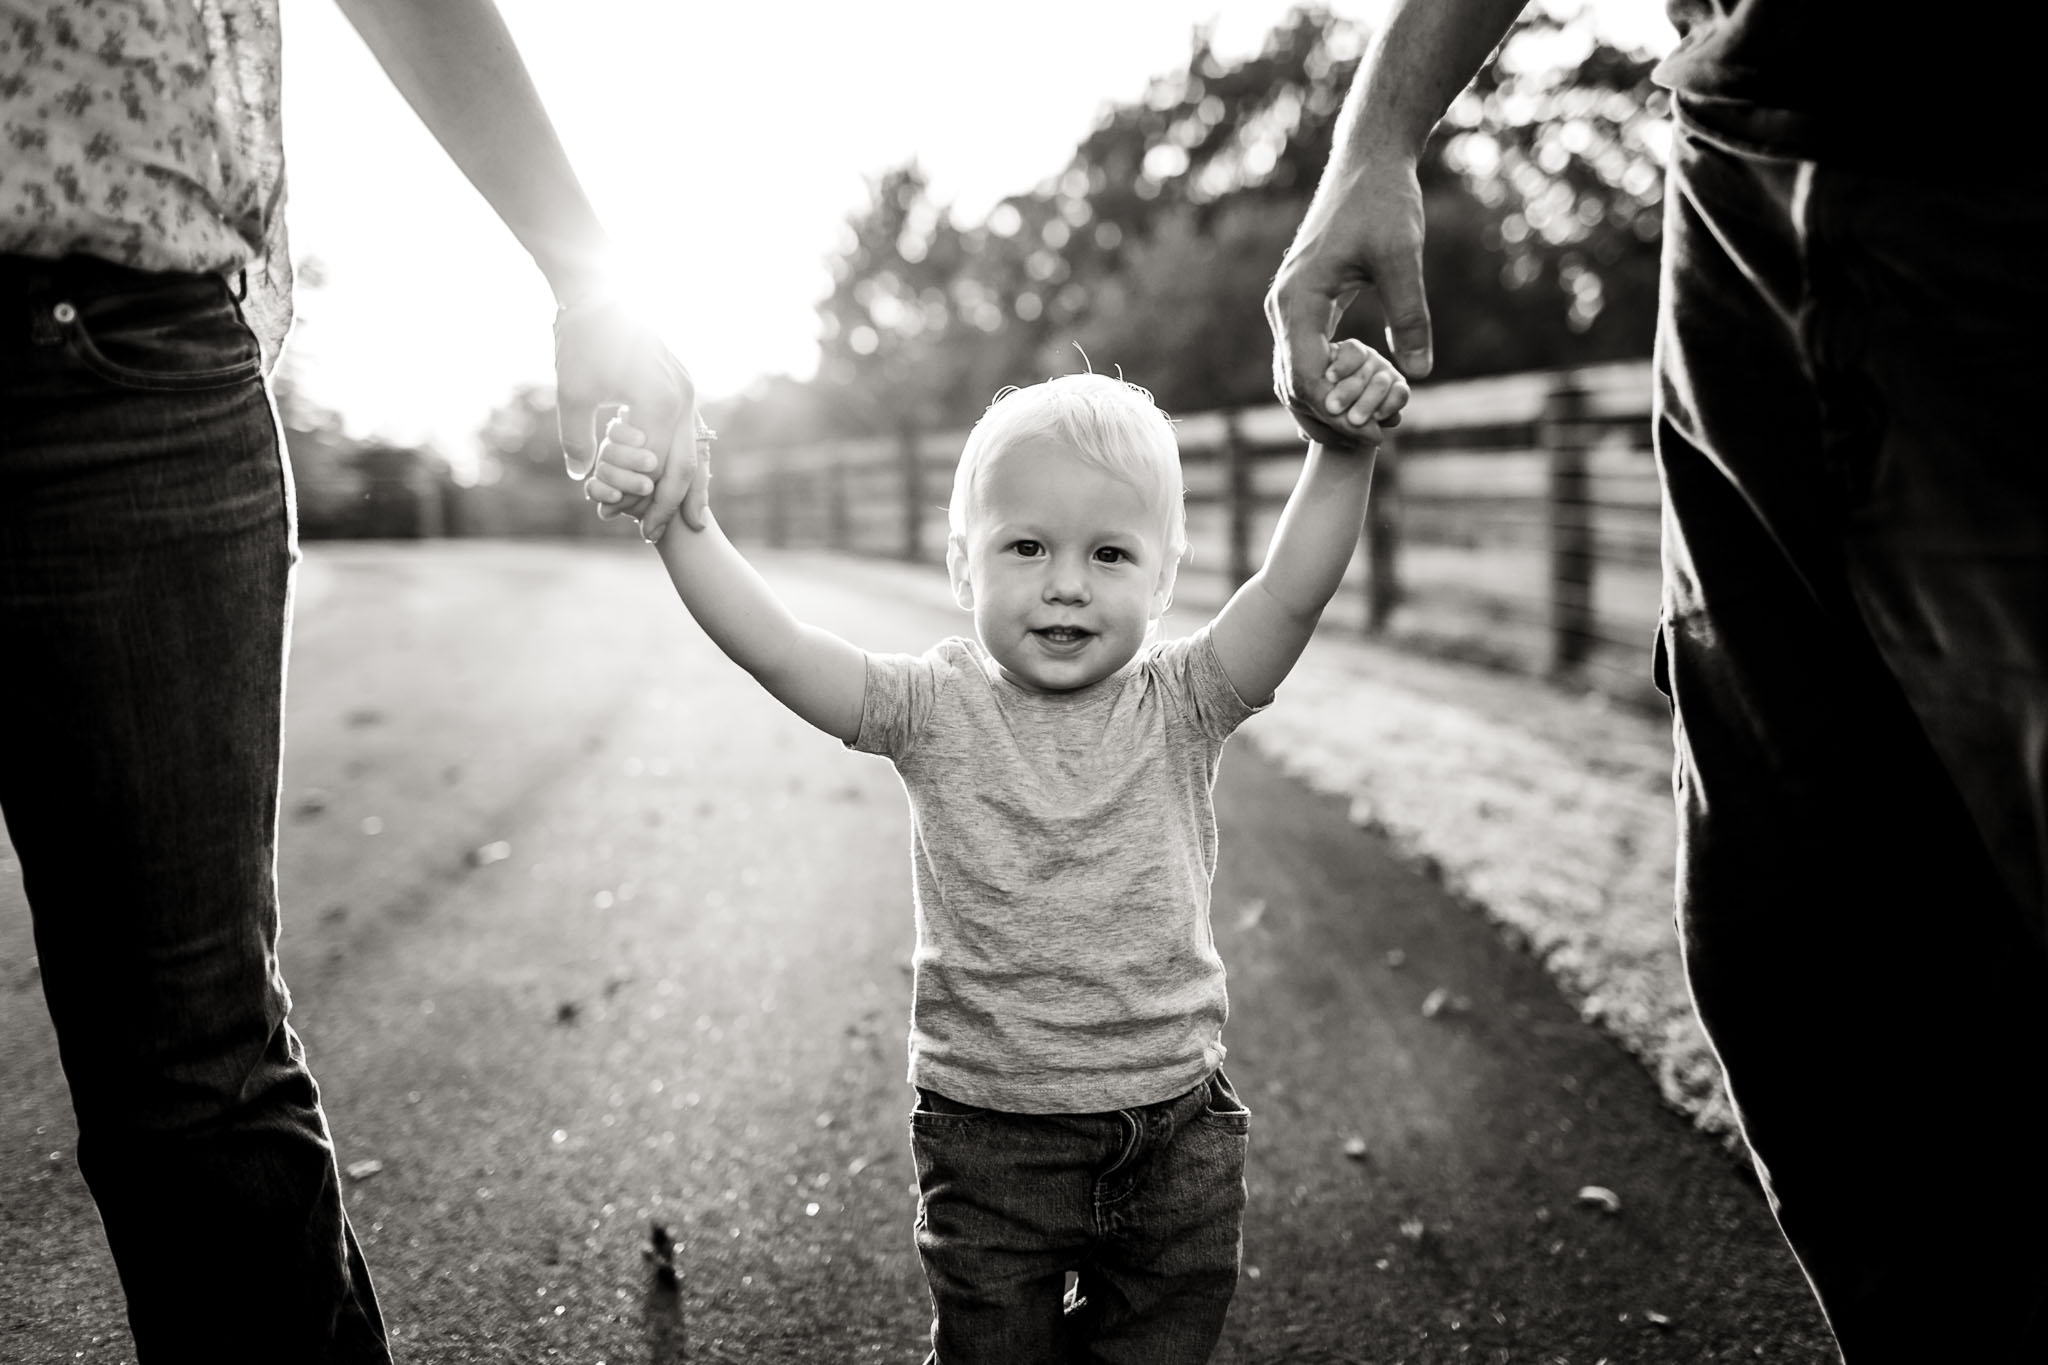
(1514, 520)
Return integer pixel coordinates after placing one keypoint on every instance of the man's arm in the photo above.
(1363, 229)
(811, 671)
(456, 65)
(1262, 630)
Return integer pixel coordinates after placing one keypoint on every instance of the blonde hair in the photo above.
(1111, 424)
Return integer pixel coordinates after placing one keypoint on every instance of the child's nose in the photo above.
(1066, 583)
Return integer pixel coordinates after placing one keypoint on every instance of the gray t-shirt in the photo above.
(1061, 849)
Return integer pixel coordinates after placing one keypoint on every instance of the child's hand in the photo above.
(623, 477)
(625, 468)
(1367, 392)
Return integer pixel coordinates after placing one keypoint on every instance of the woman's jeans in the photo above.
(1146, 1204)
(146, 552)
(1855, 643)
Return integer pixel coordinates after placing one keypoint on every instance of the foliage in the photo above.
(1561, 142)
(1152, 248)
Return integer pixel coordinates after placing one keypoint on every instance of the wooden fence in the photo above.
(1514, 520)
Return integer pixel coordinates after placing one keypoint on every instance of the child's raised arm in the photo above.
(1262, 630)
(811, 671)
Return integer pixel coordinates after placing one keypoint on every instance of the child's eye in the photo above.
(1028, 549)
(1110, 554)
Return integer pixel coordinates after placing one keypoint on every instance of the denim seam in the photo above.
(79, 342)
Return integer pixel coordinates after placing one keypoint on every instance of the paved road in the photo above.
(587, 936)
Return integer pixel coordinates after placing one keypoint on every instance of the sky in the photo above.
(723, 145)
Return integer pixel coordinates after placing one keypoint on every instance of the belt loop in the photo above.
(242, 285)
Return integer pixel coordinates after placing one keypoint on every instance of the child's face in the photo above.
(1063, 565)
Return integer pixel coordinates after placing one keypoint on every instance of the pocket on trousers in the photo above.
(934, 1108)
(182, 334)
(1223, 1109)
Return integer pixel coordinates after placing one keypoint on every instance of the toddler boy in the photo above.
(1068, 1002)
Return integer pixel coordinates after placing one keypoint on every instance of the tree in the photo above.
(1152, 247)
(1183, 314)
(1562, 139)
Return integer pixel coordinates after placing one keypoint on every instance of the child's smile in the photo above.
(1062, 637)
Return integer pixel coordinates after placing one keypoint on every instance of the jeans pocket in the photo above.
(1222, 1108)
(932, 1107)
(180, 334)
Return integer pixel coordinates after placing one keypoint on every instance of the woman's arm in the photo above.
(456, 65)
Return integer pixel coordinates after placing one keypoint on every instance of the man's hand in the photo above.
(1364, 226)
(604, 357)
(1363, 231)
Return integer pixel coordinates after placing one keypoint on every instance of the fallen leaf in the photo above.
(1600, 1197)
(494, 852)
(1354, 1147)
(1656, 1319)
(1413, 1228)
(1441, 1001)
(363, 1170)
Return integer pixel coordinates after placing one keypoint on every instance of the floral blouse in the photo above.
(148, 133)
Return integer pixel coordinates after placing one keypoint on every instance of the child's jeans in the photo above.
(1146, 1205)
(146, 551)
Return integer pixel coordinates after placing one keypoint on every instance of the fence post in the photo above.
(1383, 540)
(911, 461)
(1237, 494)
(1564, 434)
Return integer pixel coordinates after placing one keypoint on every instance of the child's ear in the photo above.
(956, 571)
